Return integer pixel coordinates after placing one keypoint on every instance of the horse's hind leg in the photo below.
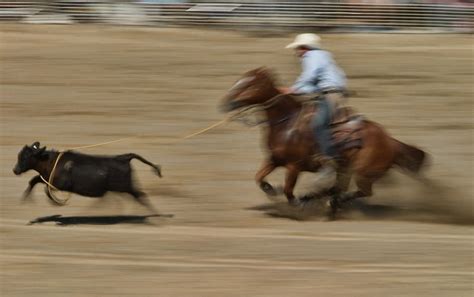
(343, 179)
(264, 171)
(364, 189)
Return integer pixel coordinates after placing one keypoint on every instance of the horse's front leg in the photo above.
(290, 181)
(267, 168)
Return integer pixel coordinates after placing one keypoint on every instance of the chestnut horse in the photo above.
(291, 143)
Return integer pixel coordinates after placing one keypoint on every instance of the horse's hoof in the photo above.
(302, 203)
(334, 203)
(310, 197)
(331, 209)
(329, 218)
(268, 189)
(294, 203)
(305, 199)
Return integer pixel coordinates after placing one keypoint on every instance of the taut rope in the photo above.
(49, 181)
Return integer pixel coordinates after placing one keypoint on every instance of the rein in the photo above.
(272, 101)
(252, 109)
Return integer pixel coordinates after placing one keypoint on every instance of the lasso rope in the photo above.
(49, 182)
(269, 103)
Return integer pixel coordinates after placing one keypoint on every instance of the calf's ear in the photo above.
(40, 153)
(37, 150)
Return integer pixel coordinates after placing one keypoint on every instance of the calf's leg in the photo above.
(31, 184)
(141, 198)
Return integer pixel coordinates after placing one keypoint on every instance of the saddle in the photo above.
(346, 126)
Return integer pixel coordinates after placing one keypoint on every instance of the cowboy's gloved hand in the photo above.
(285, 90)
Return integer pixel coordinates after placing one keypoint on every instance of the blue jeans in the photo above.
(322, 131)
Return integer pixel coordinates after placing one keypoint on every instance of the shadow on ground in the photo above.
(359, 210)
(97, 220)
(435, 203)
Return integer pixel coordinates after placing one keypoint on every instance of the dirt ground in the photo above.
(69, 86)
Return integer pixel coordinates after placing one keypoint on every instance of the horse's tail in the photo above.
(409, 157)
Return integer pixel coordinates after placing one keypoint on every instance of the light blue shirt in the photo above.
(319, 72)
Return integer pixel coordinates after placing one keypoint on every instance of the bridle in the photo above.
(254, 108)
(272, 101)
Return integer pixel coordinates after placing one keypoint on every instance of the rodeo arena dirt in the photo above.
(157, 90)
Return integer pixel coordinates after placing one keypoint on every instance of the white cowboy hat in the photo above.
(306, 39)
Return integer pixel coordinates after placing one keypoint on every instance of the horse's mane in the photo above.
(265, 73)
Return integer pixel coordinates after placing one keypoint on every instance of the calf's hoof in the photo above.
(26, 198)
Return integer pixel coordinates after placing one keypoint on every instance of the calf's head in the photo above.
(29, 157)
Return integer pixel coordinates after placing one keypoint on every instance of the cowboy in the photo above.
(323, 79)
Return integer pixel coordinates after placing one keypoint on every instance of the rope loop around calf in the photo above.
(51, 187)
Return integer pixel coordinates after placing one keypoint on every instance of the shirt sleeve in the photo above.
(308, 80)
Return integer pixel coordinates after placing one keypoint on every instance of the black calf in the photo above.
(86, 175)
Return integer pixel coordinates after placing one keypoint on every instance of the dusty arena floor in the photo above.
(69, 86)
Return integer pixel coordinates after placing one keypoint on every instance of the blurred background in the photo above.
(75, 73)
(351, 15)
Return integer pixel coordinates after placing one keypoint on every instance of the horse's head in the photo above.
(254, 87)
